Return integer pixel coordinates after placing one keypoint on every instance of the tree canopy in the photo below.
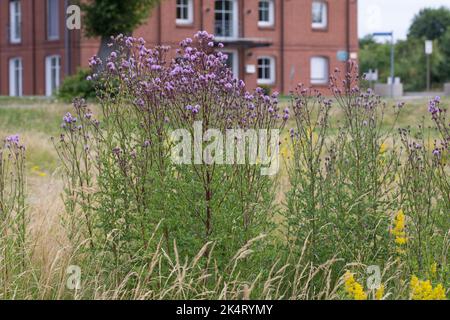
(106, 18)
(430, 23)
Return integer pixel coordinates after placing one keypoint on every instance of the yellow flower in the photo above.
(37, 170)
(379, 294)
(383, 148)
(399, 229)
(423, 290)
(433, 268)
(286, 150)
(353, 288)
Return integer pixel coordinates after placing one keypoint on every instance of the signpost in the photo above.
(428, 53)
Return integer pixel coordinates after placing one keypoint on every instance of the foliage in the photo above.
(410, 62)
(430, 24)
(112, 17)
(77, 86)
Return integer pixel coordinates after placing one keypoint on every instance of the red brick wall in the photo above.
(301, 42)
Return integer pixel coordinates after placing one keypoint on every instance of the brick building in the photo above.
(276, 43)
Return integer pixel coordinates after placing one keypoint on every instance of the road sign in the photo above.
(428, 47)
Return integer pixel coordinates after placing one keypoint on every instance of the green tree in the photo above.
(444, 44)
(410, 62)
(106, 18)
(430, 24)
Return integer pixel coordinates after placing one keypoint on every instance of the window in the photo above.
(226, 18)
(233, 62)
(266, 70)
(185, 11)
(266, 13)
(15, 77)
(15, 21)
(319, 15)
(319, 70)
(52, 19)
(52, 71)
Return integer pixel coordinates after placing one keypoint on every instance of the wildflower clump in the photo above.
(353, 289)
(423, 290)
(399, 230)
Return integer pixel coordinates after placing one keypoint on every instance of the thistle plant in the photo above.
(13, 218)
(343, 174)
(424, 191)
(121, 173)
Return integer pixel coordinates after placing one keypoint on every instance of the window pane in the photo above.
(319, 70)
(264, 11)
(52, 19)
(224, 18)
(319, 14)
(15, 21)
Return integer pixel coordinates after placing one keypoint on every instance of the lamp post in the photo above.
(389, 34)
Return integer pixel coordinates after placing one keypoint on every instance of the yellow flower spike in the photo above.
(383, 148)
(379, 294)
(433, 268)
(399, 229)
(353, 289)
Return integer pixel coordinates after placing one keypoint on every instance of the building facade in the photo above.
(274, 43)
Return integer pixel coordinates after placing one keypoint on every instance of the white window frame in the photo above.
(324, 23)
(271, 21)
(272, 70)
(49, 19)
(15, 21)
(49, 68)
(235, 55)
(190, 12)
(15, 77)
(324, 64)
(235, 21)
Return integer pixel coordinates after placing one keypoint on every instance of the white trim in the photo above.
(190, 18)
(271, 21)
(324, 23)
(235, 21)
(52, 63)
(272, 70)
(323, 63)
(15, 21)
(235, 55)
(15, 77)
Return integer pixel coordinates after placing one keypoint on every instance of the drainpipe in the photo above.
(67, 46)
(201, 16)
(348, 32)
(282, 64)
(159, 24)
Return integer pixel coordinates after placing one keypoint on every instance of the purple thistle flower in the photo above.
(13, 140)
(68, 118)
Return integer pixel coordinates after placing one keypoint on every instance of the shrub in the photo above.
(77, 86)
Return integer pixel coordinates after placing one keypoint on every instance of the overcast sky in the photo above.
(392, 15)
